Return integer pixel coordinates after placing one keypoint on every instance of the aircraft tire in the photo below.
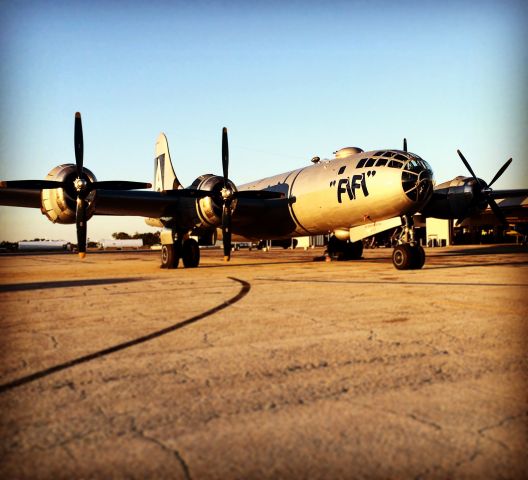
(402, 257)
(418, 258)
(190, 253)
(335, 248)
(169, 258)
(354, 250)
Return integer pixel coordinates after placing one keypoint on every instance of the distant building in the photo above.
(120, 244)
(44, 245)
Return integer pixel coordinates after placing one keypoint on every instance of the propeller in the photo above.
(227, 198)
(82, 185)
(485, 191)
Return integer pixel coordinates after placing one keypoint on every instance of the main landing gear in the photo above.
(185, 248)
(343, 249)
(408, 254)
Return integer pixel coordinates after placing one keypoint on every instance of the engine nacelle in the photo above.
(59, 204)
(458, 198)
(209, 209)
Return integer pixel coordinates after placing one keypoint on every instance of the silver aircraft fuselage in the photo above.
(352, 190)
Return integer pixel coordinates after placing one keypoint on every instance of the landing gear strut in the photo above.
(408, 254)
(185, 248)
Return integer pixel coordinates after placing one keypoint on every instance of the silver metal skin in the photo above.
(338, 194)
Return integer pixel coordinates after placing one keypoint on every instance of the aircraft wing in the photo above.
(520, 192)
(251, 216)
(144, 203)
(14, 197)
(138, 203)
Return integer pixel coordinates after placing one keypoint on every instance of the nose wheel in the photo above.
(408, 255)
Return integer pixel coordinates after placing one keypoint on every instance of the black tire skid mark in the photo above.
(246, 287)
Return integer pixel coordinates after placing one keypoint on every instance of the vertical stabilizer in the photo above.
(164, 175)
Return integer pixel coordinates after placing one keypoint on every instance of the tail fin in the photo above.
(164, 175)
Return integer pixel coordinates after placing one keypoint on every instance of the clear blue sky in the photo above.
(289, 79)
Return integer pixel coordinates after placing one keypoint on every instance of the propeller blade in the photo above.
(404, 144)
(78, 144)
(225, 156)
(500, 172)
(119, 185)
(32, 184)
(226, 230)
(468, 166)
(80, 220)
(497, 211)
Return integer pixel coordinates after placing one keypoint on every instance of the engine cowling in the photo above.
(209, 209)
(59, 204)
(458, 198)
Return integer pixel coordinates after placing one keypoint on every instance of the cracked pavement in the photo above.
(318, 370)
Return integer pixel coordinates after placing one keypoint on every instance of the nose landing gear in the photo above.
(408, 254)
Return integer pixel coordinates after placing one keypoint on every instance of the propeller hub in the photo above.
(226, 193)
(80, 184)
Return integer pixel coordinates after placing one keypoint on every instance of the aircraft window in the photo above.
(370, 162)
(361, 162)
(395, 164)
(399, 156)
(379, 154)
(381, 162)
(412, 194)
(413, 166)
(341, 170)
(388, 154)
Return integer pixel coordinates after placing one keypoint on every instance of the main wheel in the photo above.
(418, 257)
(354, 250)
(335, 248)
(402, 257)
(190, 253)
(169, 257)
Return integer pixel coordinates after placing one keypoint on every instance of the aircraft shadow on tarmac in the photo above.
(480, 264)
(506, 249)
(20, 287)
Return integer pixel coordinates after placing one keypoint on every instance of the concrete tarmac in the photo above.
(271, 366)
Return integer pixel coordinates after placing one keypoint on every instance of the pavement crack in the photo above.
(500, 423)
(175, 453)
(425, 422)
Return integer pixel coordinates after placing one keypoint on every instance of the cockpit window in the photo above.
(399, 156)
(381, 162)
(370, 162)
(361, 163)
(341, 170)
(414, 165)
(395, 164)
